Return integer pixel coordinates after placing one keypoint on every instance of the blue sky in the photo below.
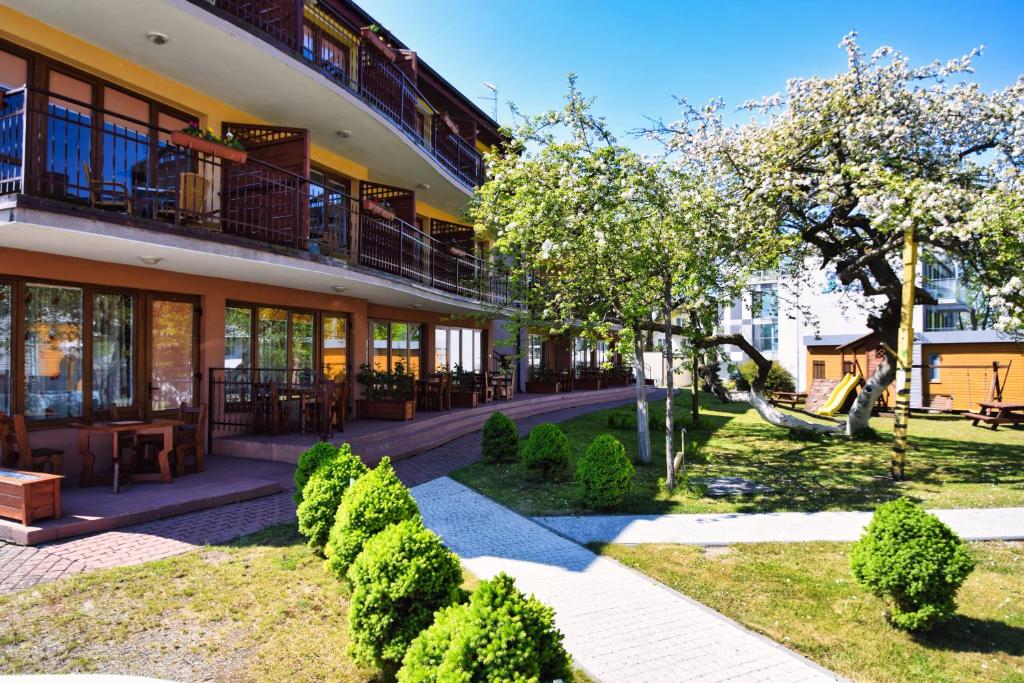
(634, 56)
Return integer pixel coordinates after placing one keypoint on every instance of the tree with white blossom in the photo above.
(848, 164)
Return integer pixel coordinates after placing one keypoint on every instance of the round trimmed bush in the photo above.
(914, 560)
(604, 473)
(546, 450)
(403, 575)
(322, 495)
(779, 378)
(499, 635)
(377, 499)
(309, 461)
(500, 439)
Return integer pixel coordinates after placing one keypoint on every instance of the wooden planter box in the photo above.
(372, 38)
(183, 139)
(542, 387)
(375, 209)
(389, 409)
(28, 496)
(587, 384)
(618, 381)
(465, 399)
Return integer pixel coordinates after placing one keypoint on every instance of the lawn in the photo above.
(803, 595)
(950, 464)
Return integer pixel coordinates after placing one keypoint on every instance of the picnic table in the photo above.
(995, 413)
(116, 430)
(790, 397)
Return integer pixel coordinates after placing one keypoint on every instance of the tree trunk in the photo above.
(670, 385)
(694, 374)
(643, 430)
(860, 412)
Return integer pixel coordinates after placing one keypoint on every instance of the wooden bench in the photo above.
(995, 413)
(790, 398)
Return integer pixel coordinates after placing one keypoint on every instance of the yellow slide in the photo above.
(839, 394)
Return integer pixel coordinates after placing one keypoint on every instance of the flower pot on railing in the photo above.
(374, 209)
(375, 40)
(196, 144)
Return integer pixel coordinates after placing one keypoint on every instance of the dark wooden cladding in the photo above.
(278, 19)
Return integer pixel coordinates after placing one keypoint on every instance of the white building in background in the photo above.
(805, 327)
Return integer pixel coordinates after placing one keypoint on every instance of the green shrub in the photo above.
(402, 576)
(322, 495)
(308, 463)
(779, 378)
(626, 420)
(376, 500)
(500, 439)
(546, 450)
(910, 557)
(499, 635)
(604, 473)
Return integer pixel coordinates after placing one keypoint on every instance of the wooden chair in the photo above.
(107, 194)
(190, 438)
(505, 389)
(131, 444)
(483, 387)
(18, 452)
(191, 209)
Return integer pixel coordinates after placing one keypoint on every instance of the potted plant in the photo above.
(464, 393)
(205, 141)
(373, 35)
(386, 395)
(543, 380)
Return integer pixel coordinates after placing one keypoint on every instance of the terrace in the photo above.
(76, 156)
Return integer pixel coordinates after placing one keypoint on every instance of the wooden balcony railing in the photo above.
(61, 149)
(325, 41)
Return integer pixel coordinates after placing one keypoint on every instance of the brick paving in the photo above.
(23, 567)
(618, 624)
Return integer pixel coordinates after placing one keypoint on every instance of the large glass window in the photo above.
(580, 352)
(272, 338)
(276, 339)
(394, 342)
(69, 158)
(765, 301)
(934, 364)
(53, 352)
(535, 351)
(462, 346)
(302, 347)
(6, 338)
(766, 336)
(440, 349)
(237, 337)
(335, 346)
(113, 372)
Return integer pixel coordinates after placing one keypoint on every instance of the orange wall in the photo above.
(968, 386)
(833, 363)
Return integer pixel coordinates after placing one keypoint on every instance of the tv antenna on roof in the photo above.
(493, 97)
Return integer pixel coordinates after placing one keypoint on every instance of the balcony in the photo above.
(326, 42)
(75, 155)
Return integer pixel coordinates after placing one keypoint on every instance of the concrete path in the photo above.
(985, 524)
(618, 624)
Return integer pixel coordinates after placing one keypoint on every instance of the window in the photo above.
(818, 371)
(237, 337)
(329, 211)
(934, 362)
(6, 338)
(113, 370)
(394, 342)
(53, 352)
(271, 338)
(13, 71)
(602, 352)
(335, 345)
(765, 301)
(766, 336)
(535, 351)
(458, 346)
(580, 353)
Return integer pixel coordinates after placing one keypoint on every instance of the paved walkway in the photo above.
(618, 624)
(23, 567)
(984, 524)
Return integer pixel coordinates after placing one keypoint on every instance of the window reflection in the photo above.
(112, 362)
(53, 352)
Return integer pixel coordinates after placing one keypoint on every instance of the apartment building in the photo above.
(194, 187)
(816, 330)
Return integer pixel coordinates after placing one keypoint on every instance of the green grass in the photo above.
(950, 464)
(261, 608)
(804, 596)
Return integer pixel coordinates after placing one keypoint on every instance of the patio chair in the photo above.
(109, 195)
(191, 208)
(505, 389)
(18, 452)
(190, 438)
(133, 444)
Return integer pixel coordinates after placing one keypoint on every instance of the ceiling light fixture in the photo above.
(417, 306)
(339, 288)
(344, 133)
(151, 260)
(423, 186)
(157, 38)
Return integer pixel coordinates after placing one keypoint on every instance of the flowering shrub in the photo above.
(604, 473)
(499, 635)
(402, 576)
(546, 450)
(376, 500)
(322, 495)
(229, 139)
(500, 439)
(910, 557)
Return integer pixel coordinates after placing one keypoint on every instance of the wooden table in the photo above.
(28, 496)
(996, 413)
(115, 430)
(790, 397)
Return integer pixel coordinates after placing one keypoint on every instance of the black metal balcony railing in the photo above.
(377, 81)
(61, 149)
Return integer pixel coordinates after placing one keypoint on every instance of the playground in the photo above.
(950, 464)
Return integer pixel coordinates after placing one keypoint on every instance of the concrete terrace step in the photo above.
(428, 431)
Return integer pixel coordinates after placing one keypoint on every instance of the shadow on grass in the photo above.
(968, 634)
(277, 536)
